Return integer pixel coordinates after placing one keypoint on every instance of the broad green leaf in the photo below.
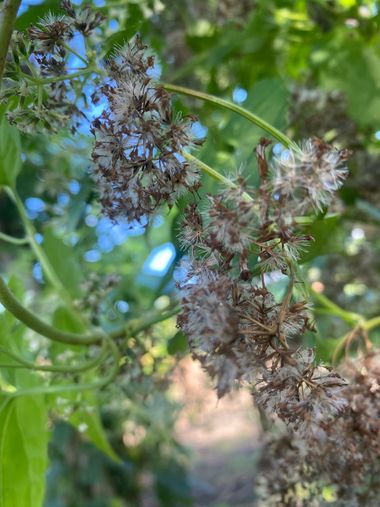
(88, 422)
(35, 13)
(178, 344)
(10, 152)
(328, 238)
(61, 257)
(65, 320)
(369, 209)
(23, 452)
(348, 70)
(325, 348)
(267, 99)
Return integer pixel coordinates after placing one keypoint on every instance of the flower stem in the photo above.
(8, 14)
(75, 53)
(277, 134)
(334, 309)
(214, 174)
(63, 77)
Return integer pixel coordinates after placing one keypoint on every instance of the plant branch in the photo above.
(28, 318)
(78, 368)
(63, 77)
(334, 309)
(75, 53)
(8, 300)
(12, 240)
(65, 388)
(214, 174)
(8, 14)
(371, 323)
(135, 326)
(267, 127)
(38, 250)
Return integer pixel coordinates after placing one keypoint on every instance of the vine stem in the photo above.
(135, 326)
(77, 368)
(33, 322)
(333, 308)
(57, 389)
(13, 240)
(38, 250)
(8, 13)
(267, 127)
(75, 53)
(214, 174)
(371, 323)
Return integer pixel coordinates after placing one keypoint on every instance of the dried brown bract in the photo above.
(83, 19)
(49, 34)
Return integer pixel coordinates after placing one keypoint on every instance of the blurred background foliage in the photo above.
(311, 68)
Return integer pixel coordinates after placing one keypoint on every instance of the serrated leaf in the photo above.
(23, 452)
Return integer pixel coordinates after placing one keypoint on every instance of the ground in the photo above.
(223, 437)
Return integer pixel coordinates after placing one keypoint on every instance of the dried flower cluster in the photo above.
(241, 334)
(138, 162)
(36, 64)
(235, 326)
(308, 178)
(347, 458)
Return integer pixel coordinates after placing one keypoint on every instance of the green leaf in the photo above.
(65, 320)
(325, 348)
(62, 259)
(178, 344)
(369, 209)
(10, 152)
(355, 70)
(23, 452)
(328, 238)
(35, 13)
(88, 422)
(269, 100)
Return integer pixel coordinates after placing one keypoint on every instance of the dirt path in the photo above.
(222, 437)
